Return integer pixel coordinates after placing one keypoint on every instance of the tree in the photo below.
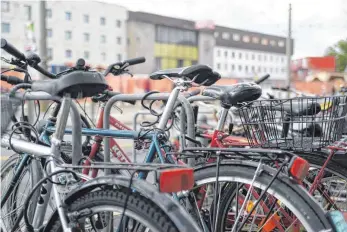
(339, 51)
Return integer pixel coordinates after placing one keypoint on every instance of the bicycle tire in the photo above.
(309, 212)
(137, 204)
(36, 176)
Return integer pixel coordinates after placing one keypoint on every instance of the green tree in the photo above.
(339, 50)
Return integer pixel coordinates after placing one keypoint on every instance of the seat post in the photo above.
(222, 119)
(168, 108)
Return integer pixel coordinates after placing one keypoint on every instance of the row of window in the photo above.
(5, 7)
(248, 68)
(173, 35)
(86, 54)
(252, 56)
(249, 39)
(86, 36)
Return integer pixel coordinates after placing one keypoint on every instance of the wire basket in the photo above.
(298, 124)
(8, 109)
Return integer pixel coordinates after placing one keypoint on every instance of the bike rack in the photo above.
(136, 97)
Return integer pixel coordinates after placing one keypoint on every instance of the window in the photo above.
(236, 37)
(68, 16)
(282, 70)
(232, 67)
(273, 43)
(103, 39)
(255, 40)
(246, 68)
(68, 35)
(179, 63)
(157, 63)
(103, 56)
(49, 13)
(225, 35)
(246, 39)
(5, 6)
(240, 68)
(281, 43)
(226, 67)
(102, 21)
(218, 65)
(5, 28)
(119, 57)
(264, 41)
(86, 54)
(253, 57)
(271, 70)
(86, 18)
(233, 54)
(119, 40)
(226, 54)
(276, 70)
(265, 69)
(259, 57)
(172, 35)
(49, 53)
(118, 23)
(27, 12)
(216, 34)
(86, 37)
(259, 69)
(218, 53)
(240, 55)
(264, 57)
(49, 33)
(68, 53)
(282, 59)
(253, 69)
(270, 58)
(246, 56)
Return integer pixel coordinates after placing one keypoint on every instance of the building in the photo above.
(245, 54)
(95, 31)
(167, 42)
(301, 68)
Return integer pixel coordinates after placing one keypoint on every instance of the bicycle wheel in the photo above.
(23, 185)
(142, 214)
(332, 189)
(290, 201)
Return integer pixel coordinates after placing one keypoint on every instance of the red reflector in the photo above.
(299, 168)
(176, 180)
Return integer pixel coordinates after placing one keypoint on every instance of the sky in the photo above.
(316, 24)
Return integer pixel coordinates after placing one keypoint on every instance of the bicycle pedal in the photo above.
(337, 220)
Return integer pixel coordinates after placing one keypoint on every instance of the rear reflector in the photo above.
(299, 168)
(176, 180)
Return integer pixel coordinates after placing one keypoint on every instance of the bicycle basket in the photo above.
(8, 109)
(298, 124)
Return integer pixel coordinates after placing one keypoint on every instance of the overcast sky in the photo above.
(316, 25)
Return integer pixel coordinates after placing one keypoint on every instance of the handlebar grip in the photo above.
(262, 79)
(280, 88)
(12, 80)
(11, 49)
(44, 72)
(134, 61)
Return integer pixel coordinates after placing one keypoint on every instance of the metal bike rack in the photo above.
(136, 97)
(135, 128)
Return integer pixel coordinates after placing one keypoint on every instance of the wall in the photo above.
(141, 43)
(206, 45)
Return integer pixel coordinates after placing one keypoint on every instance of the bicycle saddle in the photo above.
(231, 95)
(203, 74)
(78, 84)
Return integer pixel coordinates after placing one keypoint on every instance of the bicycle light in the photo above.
(298, 168)
(176, 180)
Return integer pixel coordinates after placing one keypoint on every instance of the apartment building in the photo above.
(95, 31)
(244, 54)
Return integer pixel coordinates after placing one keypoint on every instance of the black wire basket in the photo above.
(298, 124)
(9, 107)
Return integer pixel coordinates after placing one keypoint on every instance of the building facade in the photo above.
(245, 54)
(167, 42)
(95, 31)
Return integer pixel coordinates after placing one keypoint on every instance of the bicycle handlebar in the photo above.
(262, 79)
(9, 48)
(134, 61)
(12, 79)
(193, 93)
